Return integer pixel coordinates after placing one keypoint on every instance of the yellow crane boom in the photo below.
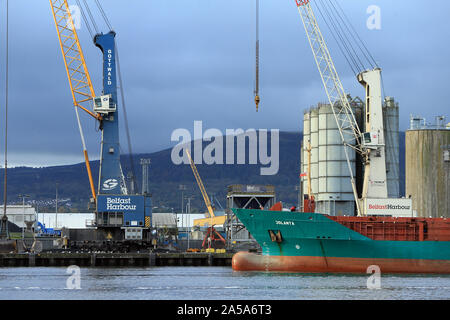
(201, 186)
(77, 72)
(211, 218)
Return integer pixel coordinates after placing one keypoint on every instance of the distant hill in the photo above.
(165, 178)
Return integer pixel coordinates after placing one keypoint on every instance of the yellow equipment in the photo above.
(77, 72)
(211, 218)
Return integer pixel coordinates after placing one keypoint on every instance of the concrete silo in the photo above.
(330, 177)
(311, 138)
(428, 167)
(392, 149)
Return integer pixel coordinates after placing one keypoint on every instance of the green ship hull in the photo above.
(312, 242)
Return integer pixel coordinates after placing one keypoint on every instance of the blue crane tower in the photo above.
(119, 215)
(110, 177)
(125, 216)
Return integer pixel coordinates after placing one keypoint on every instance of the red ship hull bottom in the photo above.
(246, 261)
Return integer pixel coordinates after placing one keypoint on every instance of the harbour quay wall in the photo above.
(115, 259)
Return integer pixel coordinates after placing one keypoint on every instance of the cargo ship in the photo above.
(314, 242)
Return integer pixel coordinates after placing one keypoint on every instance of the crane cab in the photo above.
(371, 140)
(104, 104)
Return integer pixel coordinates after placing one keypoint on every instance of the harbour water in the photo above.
(216, 283)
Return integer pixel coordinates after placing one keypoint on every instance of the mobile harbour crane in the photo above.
(119, 215)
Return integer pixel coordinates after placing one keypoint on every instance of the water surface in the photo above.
(218, 283)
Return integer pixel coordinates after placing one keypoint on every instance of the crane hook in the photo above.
(257, 100)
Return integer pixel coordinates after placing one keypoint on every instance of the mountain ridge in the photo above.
(164, 179)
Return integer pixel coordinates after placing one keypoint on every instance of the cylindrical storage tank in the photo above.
(391, 137)
(314, 114)
(306, 139)
(334, 176)
(428, 171)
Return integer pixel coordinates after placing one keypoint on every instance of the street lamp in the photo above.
(299, 196)
(23, 196)
(188, 217)
(182, 188)
(56, 207)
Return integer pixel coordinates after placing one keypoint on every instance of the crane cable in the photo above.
(91, 16)
(256, 91)
(337, 11)
(348, 40)
(333, 26)
(338, 42)
(85, 19)
(6, 120)
(122, 95)
(105, 17)
(338, 25)
(354, 34)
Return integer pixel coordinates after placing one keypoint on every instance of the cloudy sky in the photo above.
(194, 60)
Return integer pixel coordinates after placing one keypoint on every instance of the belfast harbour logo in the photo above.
(229, 148)
(110, 184)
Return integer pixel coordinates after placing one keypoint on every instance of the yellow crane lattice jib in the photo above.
(61, 10)
(201, 186)
(77, 73)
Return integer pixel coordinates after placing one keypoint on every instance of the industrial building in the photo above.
(428, 167)
(22, 216)
(246, 197)
(323, 160)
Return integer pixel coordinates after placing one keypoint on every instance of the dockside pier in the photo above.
(102, 259)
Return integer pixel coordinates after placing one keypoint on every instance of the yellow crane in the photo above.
(211, 219)
(77, 73)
